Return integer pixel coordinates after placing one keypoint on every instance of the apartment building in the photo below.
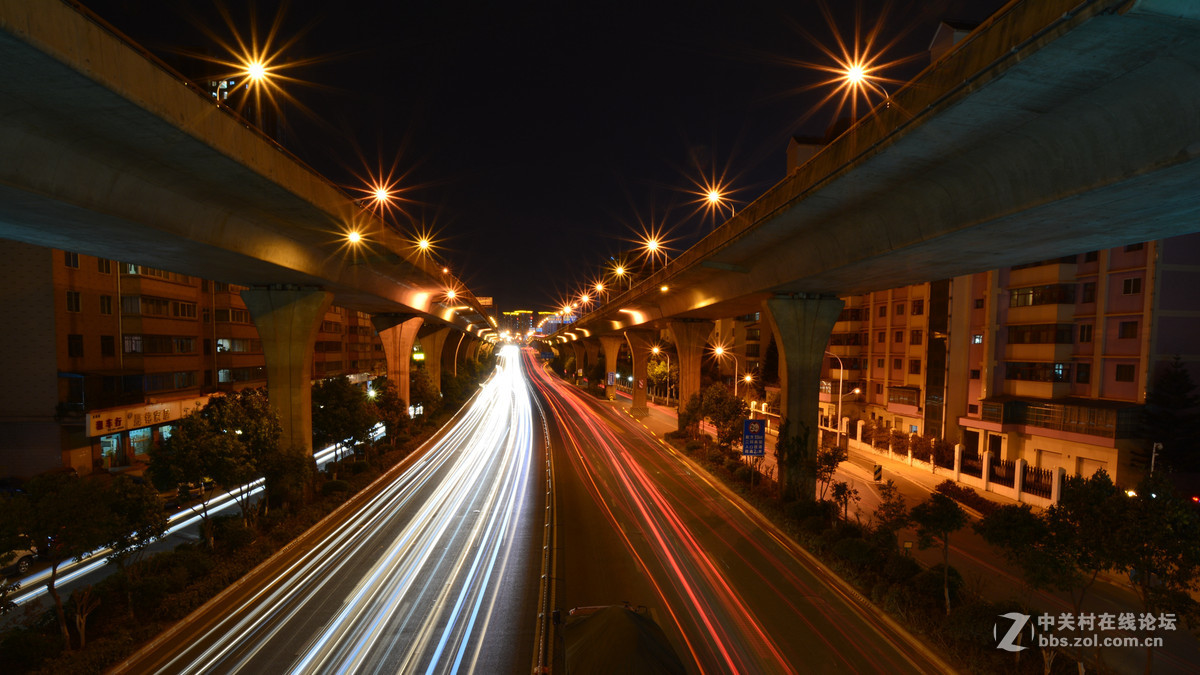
(1049, 361)
(106, 355)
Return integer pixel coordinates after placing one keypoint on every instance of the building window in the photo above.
(974, 373)
(132, 344)
(977, 339)
(882, 311)
(108, 345)
(914, 337)
(899, 337)
(74, 345)
(1131, 286)
(900, 309)
(1127, 330)
(1041, 334)
(183, 310)
(1083, 373)
(103, 265)
(878, 363)
(106, 304)
(73, 302)
(882, 337)
(1125, 372)
(1089, 292)
(1085, 332)
(71, 259)
(978, 303)
(914, 366)
(1049, 294)
(878, 389)
(972, 409)
(1038, 372)
(1091, 256)
(897, 364)
(918, 307)
(1133, 247)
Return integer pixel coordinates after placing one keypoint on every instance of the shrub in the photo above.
(743, 473)
(25, 648)
(814, 525)
(856, 552)
(358, 466)
(927, 585)
(967, 497)
(335, 486)
(231, 532)
(693, 446)
(898, 569)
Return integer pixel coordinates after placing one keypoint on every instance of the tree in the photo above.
(825, 466)
(1172, 417)
(138, 520)
(892, 513)
(843, 495)
(1161, 535)
(726, 413)
(691, 415)
(423, 392)
(66, 517)
(85, 602)
(340, 414)
(937, 519)
(390, 408)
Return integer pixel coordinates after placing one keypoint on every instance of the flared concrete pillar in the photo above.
(453, 358)
(691, 337)
(473, 349)
(802, 325)
(288, 321)
(591, 350)
(612, 348)
(639, 347)
(433, 342)
(580, 354)
(397, 332)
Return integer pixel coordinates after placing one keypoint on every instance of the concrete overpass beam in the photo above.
(691, 337)
(398, 332)
(802, 325)
(433, 341)
(288, 321)
(612, 348)
(640, 342)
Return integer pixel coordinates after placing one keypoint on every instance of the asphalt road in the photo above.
(434, 568)
(639, 523)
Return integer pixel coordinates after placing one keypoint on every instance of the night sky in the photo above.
(537, 139)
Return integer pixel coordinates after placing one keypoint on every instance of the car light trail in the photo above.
(740, 599)
(409, 579)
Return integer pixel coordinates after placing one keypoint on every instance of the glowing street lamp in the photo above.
(656, 350)
(353, 237)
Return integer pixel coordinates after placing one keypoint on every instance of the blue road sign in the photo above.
(754, 438)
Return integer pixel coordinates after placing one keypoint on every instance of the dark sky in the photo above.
(538, 138)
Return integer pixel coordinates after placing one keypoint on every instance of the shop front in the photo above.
(121, 437)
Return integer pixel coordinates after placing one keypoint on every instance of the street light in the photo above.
(719, 350)
(656, 351)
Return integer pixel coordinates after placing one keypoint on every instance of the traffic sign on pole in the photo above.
(754, 438)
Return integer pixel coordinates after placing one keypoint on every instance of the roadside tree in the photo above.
(936, 519)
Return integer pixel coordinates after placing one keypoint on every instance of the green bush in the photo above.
(814, 525)
(334, 486)
(26, 648)
(927, 588)
(898, 568)
(743, 473)
(693, 446)
(856, 552)
(230, 532)
(358, 466)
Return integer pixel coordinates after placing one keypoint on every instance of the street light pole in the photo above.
(841, 376)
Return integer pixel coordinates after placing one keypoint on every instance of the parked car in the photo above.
(18, 562)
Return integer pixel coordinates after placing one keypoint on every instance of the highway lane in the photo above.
(433, 569)
(731, 593)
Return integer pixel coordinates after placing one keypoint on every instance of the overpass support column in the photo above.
(433, 339)
(288, 320)
(802, 325)
(457, 354)
(690, 336)
(591, 349)
(579, 352)
(639, 347)
(397, 332)
(612, 348)
(473, 349)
